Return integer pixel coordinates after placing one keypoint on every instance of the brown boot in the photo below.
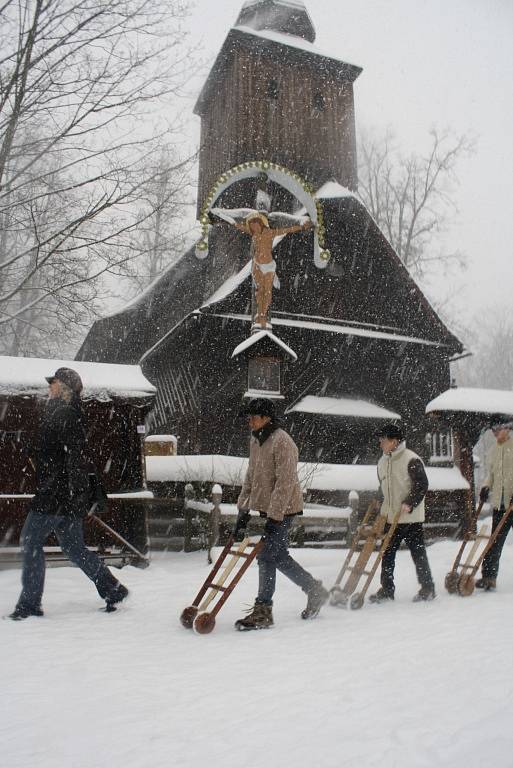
(260, 617)
(486, 583)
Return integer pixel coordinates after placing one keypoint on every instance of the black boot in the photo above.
(486, 583)
(115, 597)
(381, 596)
(424, 594)
(317, 597)
(20, 613)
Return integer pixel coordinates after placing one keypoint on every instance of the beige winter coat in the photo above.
(500, 473)
(396, 485)
(271, 484)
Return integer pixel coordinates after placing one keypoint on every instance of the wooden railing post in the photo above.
(188, 514)
(214, 519)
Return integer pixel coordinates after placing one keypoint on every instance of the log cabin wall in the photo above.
(280, 107)
(114, 449)
(206, 419)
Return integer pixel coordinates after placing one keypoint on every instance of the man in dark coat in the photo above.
(61, 500)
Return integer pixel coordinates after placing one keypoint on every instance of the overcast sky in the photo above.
(447, 63)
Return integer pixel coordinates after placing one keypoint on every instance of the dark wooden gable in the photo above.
(266, 99)
(365, 283)
(125, 336)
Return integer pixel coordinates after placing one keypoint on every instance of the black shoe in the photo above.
(381, 596)
(425, 593)
(317, 597)
(20, 613)
(486, 583)
(115, 597)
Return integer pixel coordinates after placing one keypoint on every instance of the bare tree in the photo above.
(83, 85)
(411, 197)
(166, 206)
(491, 365)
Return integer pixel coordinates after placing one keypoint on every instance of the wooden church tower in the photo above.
(271, 95)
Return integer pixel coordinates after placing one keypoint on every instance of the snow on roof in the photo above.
(337, 328)
(27, 375)
(230, 470)
(342, 406)
(161, 439)
(333, 190)
(470, 400)
(292, 3)
(256, 338)
(291, 41)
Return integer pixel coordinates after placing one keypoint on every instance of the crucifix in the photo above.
(256, 222)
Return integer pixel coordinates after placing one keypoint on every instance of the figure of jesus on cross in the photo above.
(263, 268)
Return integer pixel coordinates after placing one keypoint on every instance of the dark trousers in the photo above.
(70, 534)
(490, 568)
(275, 556)
(413, 535)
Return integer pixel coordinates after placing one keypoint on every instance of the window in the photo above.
(442, 446)
(273, 89)
(319, 102)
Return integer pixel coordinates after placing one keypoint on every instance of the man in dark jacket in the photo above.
(404, 485)
(61, 500)
(271, 487)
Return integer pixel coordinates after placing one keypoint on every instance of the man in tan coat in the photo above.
(403, 484)
(498, 488)
(271, 487)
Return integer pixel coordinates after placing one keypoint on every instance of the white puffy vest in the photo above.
(396, 485)
(500, 473)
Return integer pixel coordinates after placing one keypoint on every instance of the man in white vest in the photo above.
(498, 488)
(403, 484)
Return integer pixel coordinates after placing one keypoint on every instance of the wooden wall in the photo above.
(114, 448)
(242, 122)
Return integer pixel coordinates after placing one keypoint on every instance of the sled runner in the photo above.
(462, 577)
(452, 578)
(359, 563)
(218, 585)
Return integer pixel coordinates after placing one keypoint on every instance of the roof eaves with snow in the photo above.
(473, 400)
(343, 407)
(258, 338)
(284, 45)
(331, 327)
(26, 376)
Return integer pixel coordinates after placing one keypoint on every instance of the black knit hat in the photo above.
(391, 431)
(258, 406)
(69, 377)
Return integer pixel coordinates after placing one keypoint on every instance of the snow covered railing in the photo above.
(230, 470)
(128, 496)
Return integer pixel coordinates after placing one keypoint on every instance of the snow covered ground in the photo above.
(394, 686)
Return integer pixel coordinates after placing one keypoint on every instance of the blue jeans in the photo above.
(275, 556)
(70, 534)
